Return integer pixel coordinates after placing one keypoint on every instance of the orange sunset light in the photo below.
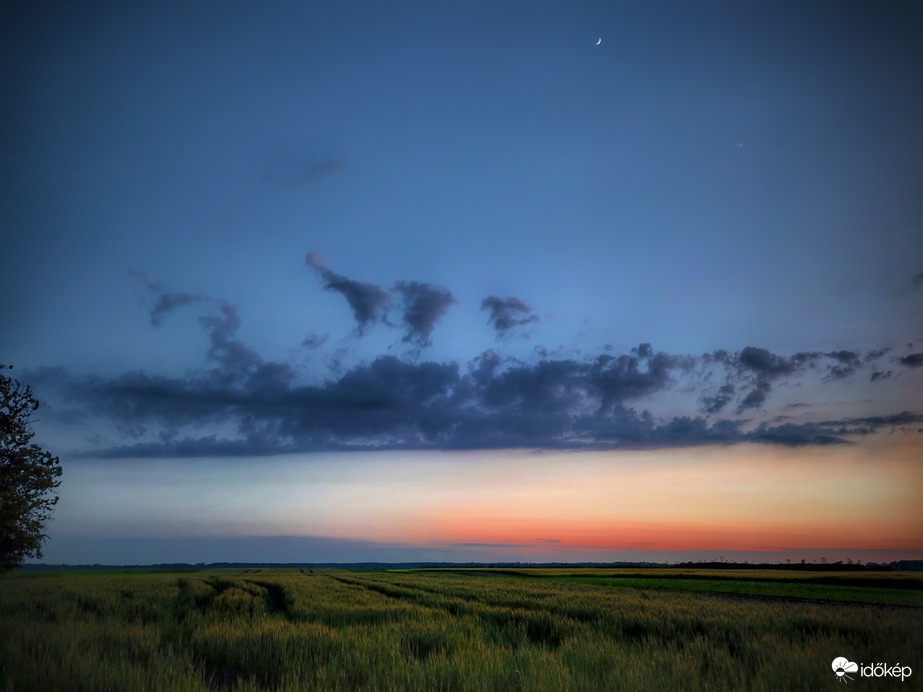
(708, 498)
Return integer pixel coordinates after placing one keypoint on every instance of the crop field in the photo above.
(573, 629)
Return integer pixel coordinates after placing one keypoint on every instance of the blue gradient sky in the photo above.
(506, 214)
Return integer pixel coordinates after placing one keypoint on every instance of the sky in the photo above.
(469, 281)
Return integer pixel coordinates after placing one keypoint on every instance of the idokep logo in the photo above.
(841, 666)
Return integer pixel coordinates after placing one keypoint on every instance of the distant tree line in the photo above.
(900, 565)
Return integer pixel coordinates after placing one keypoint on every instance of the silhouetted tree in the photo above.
(28, 475)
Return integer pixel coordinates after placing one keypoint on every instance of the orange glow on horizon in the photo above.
(507, 503)
(742, 498)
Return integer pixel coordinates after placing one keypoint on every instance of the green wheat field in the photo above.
(516, 629)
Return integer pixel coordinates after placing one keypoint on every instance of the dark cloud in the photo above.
(221, 327)
(796, 435)
(845, 357)
(220, 322)
(874, 355)
(643, 351)
(756, 397)
(313, 340)
(763, 367)
(720, 357)
(303, 173)
(390, 403)
(423, 305)
(187, 447)
(831, 432)
(244, 405)
(717, 402)
(759, 366)
(368, 302)
(753, 372)
(167, 300)
(768, 365)
(840, 372)
(917, 281)
(913, 360)
(880, 375)
(507, 313)
(621, 378)
(846, 364)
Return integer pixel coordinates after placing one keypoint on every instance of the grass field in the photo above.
(248, 629)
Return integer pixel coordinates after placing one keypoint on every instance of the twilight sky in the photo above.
(449, 281)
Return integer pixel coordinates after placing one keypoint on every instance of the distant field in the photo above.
(892, 588)
(249, 629)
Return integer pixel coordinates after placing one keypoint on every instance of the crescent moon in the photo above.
(599, 41)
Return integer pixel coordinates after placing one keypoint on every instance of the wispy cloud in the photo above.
(717, 402)
(314, 340)
(423, 305)
(166, 300)
(368, 302)
(507, 313)
(221, 320)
